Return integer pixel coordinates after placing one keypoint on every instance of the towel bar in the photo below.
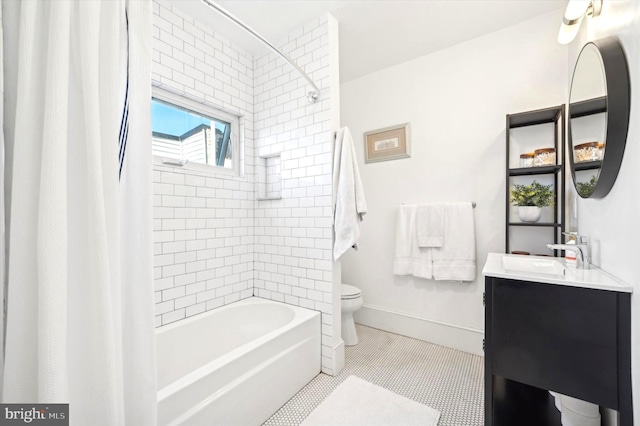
(473, 204)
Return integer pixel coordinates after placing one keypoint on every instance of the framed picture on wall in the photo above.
(390, 143)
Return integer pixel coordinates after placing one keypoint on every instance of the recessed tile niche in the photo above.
(268, 177)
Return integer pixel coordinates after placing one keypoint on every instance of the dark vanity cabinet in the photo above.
(539, 337)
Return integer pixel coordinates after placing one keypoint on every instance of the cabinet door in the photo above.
(556, 337)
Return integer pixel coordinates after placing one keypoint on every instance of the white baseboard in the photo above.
(453, 336)
(338, 357)
(334, 365)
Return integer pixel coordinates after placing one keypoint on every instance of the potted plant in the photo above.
(530, 199)
(586, 188)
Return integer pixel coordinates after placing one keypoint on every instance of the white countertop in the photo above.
(593, 278)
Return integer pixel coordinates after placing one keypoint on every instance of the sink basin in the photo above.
(550, 270)
(534, 264)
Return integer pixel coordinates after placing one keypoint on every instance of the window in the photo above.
(191, 132)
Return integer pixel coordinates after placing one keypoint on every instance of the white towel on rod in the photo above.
(410, 259)
(348, 194)
(430, 225)
(456, 259)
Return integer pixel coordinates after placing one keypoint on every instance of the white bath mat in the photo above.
(356, 402)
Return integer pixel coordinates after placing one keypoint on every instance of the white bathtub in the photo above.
(235, 365)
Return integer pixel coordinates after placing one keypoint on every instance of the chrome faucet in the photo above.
(581, 248)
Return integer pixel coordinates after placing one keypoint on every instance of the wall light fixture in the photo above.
(576, 11)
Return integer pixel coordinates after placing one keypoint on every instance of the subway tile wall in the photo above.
(293, 236)
(203, 222)
(214, 244)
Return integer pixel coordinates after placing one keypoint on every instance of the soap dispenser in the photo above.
(570, 255)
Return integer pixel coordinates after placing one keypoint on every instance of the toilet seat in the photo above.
(349, 292)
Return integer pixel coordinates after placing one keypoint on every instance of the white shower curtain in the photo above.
(80, 288)
(2, 219)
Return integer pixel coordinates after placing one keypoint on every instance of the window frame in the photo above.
(209, 111)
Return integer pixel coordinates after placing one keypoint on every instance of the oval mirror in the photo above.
(598, 117)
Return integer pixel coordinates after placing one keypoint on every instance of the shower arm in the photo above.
(311, 96)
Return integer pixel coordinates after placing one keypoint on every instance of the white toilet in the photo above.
(351, 302)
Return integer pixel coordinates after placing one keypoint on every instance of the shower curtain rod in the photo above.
(311, 96)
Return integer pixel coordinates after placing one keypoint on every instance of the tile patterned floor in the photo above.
(448, 380)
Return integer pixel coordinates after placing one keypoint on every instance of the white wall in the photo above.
(612, 222)
(203, 222)
(456, 101)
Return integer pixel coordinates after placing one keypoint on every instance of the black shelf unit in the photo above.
(588, 165)
(553, 115)
(531, 171)
(543, 224)
(588, 107)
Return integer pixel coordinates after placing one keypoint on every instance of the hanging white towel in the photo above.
(456, 259)
(348, 194)
(430, 225)
(409, 258)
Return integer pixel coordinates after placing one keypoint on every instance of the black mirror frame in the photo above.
(618, 110)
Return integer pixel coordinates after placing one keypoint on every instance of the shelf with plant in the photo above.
(586, 188)
(530, 199)
(536, 170)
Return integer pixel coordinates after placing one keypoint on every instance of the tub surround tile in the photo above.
(214, 243)
(293, 250)
(200, 217)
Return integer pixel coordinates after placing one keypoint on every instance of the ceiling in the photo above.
(373, 34)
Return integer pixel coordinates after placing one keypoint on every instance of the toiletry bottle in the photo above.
(569, 255)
